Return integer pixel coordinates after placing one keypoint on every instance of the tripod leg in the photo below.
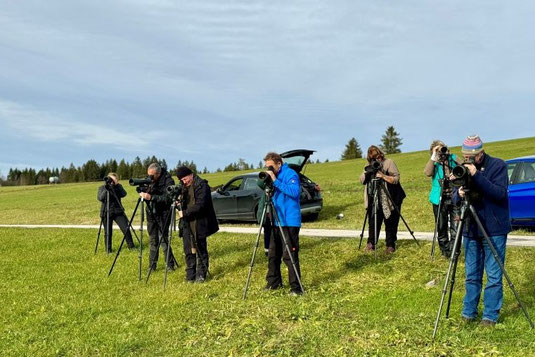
(98, 234)
(124, 238)
(169, 245)
(437, 219)
(455, 256)
(264, 212)
(401, 216)
(498, 260)
(450, 268)
(364, 225)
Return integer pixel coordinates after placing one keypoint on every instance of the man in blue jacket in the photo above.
(286, 194)
(491, 202)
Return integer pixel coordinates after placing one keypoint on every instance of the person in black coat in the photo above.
(197, 222)
(117, 214)
(158, 214)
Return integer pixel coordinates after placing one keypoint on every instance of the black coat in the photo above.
(160, 201)
(115, 200)
(202, 212)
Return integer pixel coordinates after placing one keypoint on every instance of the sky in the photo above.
(213, 81)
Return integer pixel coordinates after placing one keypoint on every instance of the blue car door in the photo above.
(522, 193)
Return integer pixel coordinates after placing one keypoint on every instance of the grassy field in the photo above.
(77, 204)
(57, 300)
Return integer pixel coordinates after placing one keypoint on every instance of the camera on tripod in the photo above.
(142, 184)
(264, 176)
(443, 153)
(175, 190)
(372, 169)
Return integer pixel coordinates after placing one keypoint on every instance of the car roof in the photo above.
(523, 158)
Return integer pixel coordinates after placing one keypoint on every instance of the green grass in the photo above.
(57, 300)
(342, 191)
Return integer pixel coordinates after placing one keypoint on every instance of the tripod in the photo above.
(376, 189)
(270, 208)
(106, 231)
(140, 201)
(168, 222)
(443, 182)
(468, 209)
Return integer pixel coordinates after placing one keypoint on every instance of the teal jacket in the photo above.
(437, 175)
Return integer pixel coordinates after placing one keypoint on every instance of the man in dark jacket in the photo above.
(490, 200)
(116, 192)
(198, 221)
(158, 214)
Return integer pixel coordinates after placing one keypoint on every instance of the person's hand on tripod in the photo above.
(145, 196)
(180, 214)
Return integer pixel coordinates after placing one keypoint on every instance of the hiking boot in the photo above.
(296, 292)
(269, 287)
(369, 247)
(390, 250)
(487, 323)
(468, 320)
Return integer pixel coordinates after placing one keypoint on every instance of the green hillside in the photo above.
(342, 192)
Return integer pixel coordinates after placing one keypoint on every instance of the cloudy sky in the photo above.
(217, 80)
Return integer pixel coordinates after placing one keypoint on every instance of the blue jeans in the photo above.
(478, 256)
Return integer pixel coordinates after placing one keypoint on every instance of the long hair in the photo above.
(374, 152)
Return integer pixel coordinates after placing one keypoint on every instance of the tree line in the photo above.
(93, 171)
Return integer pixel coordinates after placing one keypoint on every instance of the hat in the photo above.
(182, 172)
(472, 145)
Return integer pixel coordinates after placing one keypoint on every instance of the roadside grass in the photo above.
(57, 300)
(342, 192)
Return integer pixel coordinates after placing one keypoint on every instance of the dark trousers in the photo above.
(449, 213)
(122, 222)
(193, 249)
(158, 230)
(391, 226)
(278, 252)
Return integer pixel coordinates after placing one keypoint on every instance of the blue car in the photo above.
(521, 173)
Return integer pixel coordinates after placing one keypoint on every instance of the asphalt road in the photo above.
(512, 240)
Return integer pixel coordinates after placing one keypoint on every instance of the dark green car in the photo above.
(238, 199)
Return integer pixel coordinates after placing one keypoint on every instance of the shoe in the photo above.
(171, 267)
(369, 247)
(487, 323)
(390, 250)
(200, 279)
(295, 292)
(269, 287)
(190, 281)
(468, 319)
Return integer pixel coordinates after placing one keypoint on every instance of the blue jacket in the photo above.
(492, 207)
(286, 197)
